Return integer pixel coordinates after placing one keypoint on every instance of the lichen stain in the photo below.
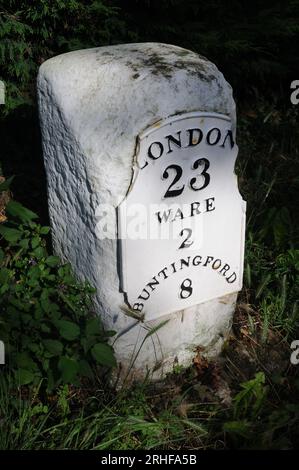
(159, 65)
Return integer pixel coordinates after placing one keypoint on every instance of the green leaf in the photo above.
(45, 328)
(4, 275)
(16, 209)
(39, 252)
(110, 333)
(68, 329)
(10, 234)
(103, 354)
(35, 242)
(24, 361)
(1, 255)
(24, 376)
(52, 261)
(24, 243)
(93, 327)
(53, 346)
(69, 369)
(44, 230)
(85, 369)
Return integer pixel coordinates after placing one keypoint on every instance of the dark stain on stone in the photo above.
(158, 65)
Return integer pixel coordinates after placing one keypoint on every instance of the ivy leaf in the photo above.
(16, 209)
(68, 329)
(103, 354)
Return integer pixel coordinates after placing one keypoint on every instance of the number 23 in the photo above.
(179, 171)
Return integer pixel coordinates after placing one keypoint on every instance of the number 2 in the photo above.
(186, 243)
(179, 172)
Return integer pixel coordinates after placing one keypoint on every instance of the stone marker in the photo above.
(139, 148)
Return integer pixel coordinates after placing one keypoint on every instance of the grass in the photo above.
(247, 398)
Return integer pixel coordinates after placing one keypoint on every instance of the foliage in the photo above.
(268, 179)
(140, 418)
(33, 31)
(46, 320)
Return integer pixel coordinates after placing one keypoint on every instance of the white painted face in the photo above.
(182, 223)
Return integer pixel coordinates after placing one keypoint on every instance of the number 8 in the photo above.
(186, 286)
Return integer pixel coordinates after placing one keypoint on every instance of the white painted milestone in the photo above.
(139, 144)
(182, 223)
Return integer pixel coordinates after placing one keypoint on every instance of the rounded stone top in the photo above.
(158, 59)
(152, 78)
(115, 92)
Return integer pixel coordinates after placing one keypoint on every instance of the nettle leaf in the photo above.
(53, 346)
(39, 252)
(44, 230)
(110, 333)
(103, 354)
(68, 329)
(35, 242)
(16, 209)
(10, 234)
(24, 361)
(93, 327)
(46, 304)
(68, 368)
(34, 272)
(52, 261)
(5, 274)
(88, 342)
(45, 328)
(24, 376)
(24, 243)
(85, 369)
